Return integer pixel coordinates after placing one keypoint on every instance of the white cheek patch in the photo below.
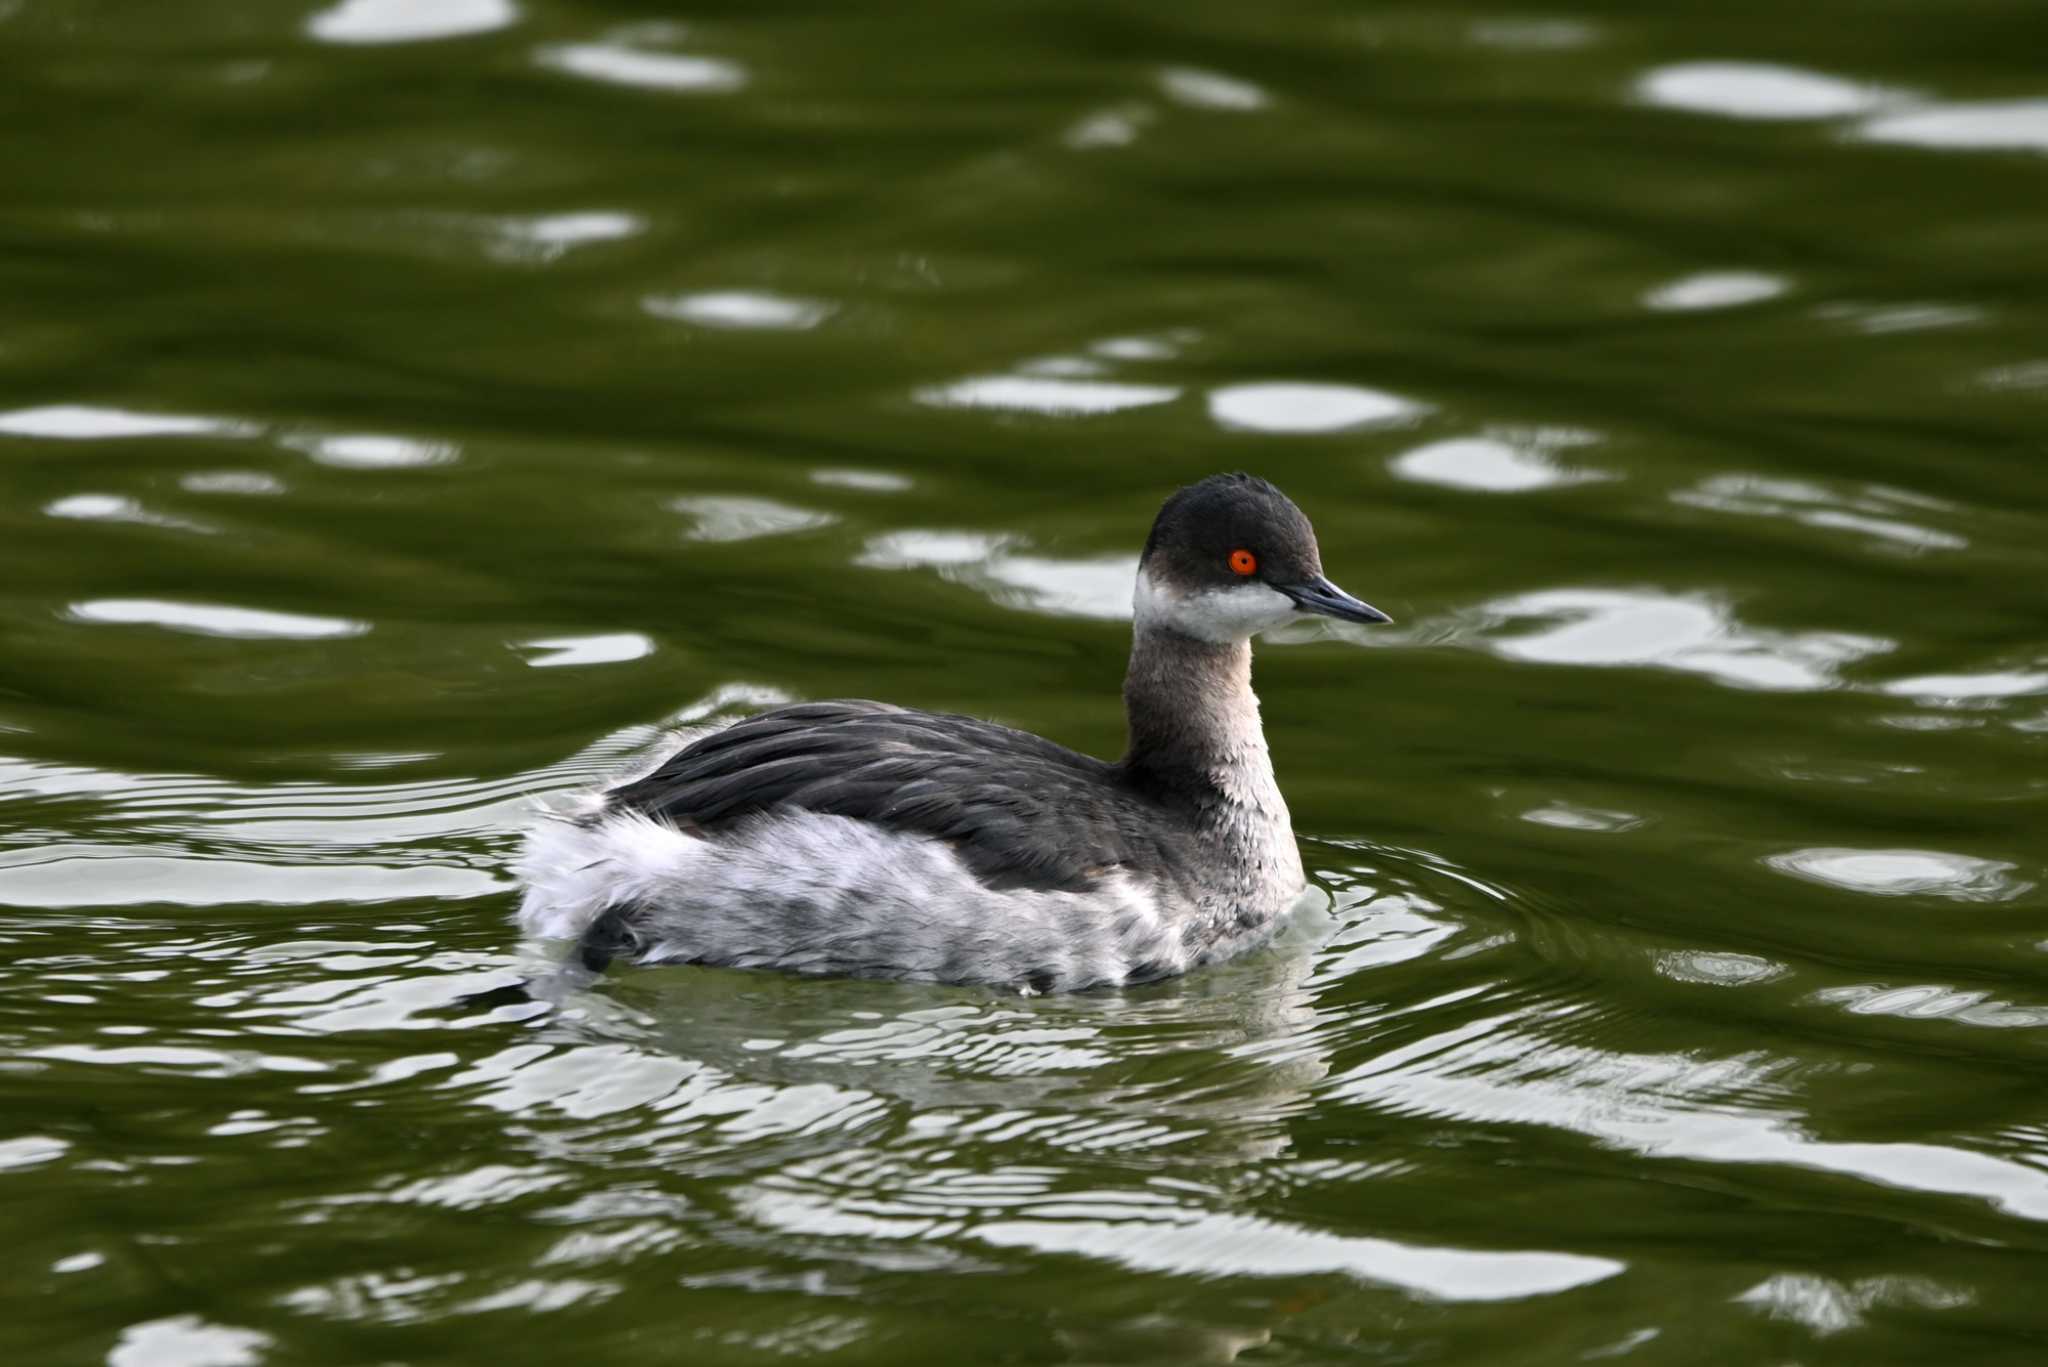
(1218, 615)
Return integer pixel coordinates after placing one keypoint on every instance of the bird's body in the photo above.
(859, 838)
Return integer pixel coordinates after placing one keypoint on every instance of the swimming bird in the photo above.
(864, 839)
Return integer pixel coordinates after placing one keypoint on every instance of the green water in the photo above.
(409, 409)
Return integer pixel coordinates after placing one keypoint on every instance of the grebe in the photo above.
(863, 839)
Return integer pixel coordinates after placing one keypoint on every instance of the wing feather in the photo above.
(1020, 810)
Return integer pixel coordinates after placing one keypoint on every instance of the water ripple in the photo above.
(1691, 633)
(88, 876)
(1905, 873)
(1934, 1001)
(872, 1195)
(1001, 568)
(1668, 1106)
(1890, 517)
(715, 517)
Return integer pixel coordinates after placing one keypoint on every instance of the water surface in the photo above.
(410, 411)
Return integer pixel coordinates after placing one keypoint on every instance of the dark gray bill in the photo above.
(1320, 595)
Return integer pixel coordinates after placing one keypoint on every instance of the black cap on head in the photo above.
(1200, 526)
(1236, 531)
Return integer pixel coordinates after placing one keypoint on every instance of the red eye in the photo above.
(1243, 562)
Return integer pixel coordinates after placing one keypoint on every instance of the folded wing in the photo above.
(1020, 810)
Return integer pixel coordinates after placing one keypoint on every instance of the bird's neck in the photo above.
(1194, 721)
(1196, 745)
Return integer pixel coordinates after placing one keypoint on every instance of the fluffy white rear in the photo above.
(573, 872)
(810, 893)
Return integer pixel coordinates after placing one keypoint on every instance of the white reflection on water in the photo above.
(1157, 1227)
(86, 422)
(610, 648)
(1504, 461)
(1391, 928)
(1163, 347)
(1714, 290)
(2021, 377)
(1293, 407)
(1905, 873)
(1757, 90)
(1829, 1307)
(177, 1059)
(1097, 587)
(933, 549)
(374, 1297)
(1717, 968)
(1968, 690)
(306, 822)
(867, 481)
(1687, 1106)
(1071, 366)
(1118, 127)
(1046, 395)
(1878, 320)
(739, 309)
(375, 451)
(111, 876)
(1212, 1244)
(722, 517)
(617, 62)
(188, 1341)
(115, 508)
(1870, 510)
(1569, 816)
(549, 236)
(999, 567)
(31, 1151)
(1991, 126)
(1211, 90)
(1692, 633)
(249, 482)
(1933, 1001)
(213, 619)
(409, 21)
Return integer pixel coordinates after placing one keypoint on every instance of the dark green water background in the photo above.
(406, 409)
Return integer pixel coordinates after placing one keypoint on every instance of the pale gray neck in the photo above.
(1196, 743)
(1194, 720)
